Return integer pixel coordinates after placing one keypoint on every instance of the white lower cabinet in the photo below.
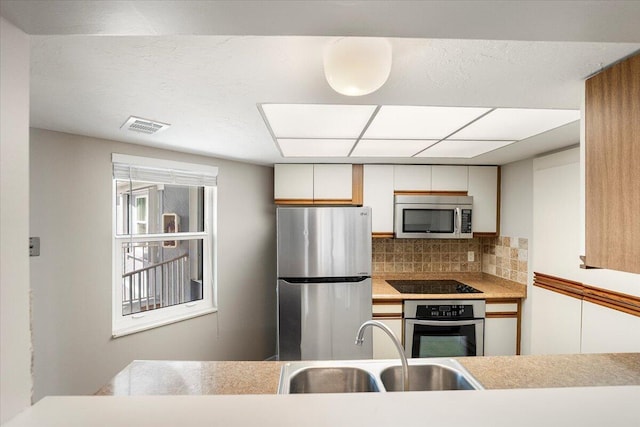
(390, 315)
(556, 323)
(500, 336)
(383, 347)
(501, 328)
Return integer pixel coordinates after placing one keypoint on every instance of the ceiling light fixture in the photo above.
(356, 66)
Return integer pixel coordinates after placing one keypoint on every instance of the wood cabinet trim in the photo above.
(386, 316)
(498, 198)
(332, 201)
(625, 303)
(504, 301)
(357, 185)
(293, 201)
(484, 234)
(382, 235)
(559, 285)
(387, 301)
(429, 193)
(496, 314)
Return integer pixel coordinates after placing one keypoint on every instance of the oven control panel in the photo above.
(450, 309)
(445, 312)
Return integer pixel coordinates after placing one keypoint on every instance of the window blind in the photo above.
(163, 171)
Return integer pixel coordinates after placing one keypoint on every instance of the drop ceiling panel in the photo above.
(298, 147)
(462, 149)
(390, 147)
(420, 122)
(317, 120)
(516, 124)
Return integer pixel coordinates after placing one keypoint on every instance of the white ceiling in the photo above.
(204, 66)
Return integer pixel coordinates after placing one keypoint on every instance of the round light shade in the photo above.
(356, 66)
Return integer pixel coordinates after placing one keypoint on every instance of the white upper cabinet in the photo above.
(292, 181)
(317, 184)
(378, 195)
(411, 178)
(483, 186)
(449, 178)
(332, 182)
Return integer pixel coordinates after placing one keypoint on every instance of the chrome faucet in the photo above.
(396, 342)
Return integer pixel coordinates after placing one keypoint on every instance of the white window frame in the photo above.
(137, 322)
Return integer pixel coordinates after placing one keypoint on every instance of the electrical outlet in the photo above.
(34, 246)
(471, 256)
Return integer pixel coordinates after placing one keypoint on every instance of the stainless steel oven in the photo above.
(444, 328)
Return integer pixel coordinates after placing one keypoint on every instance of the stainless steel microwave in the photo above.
(433, 217)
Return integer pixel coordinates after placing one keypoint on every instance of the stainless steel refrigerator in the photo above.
(324, 282)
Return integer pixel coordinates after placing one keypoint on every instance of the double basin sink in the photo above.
(349, 376)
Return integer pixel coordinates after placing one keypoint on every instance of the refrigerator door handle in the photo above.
(307, 280)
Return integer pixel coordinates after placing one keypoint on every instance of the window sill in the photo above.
(121, 332)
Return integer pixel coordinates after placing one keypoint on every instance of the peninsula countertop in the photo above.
(492, 287)
(151, 377)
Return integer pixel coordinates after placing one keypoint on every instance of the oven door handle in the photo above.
(444, 322)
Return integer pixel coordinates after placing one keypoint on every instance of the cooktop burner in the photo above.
(432, 287)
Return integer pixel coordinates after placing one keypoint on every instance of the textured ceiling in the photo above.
(207, 86)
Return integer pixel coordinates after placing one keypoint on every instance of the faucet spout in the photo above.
(396, 342)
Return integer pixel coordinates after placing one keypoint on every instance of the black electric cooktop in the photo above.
(432, 287)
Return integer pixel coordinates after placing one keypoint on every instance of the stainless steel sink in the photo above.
(332, 380)
(349, 376)
(425, 378)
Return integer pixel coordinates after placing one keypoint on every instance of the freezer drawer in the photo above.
(319, 321)
(324, 242)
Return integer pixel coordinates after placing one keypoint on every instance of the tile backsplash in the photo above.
(426, 255)
(506, 257)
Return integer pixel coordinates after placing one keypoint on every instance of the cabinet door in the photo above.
(449, 178)
(483, 186)
(612, 155)
(556, 323)
(383, 347)
(500, 336)
(378, 195)
(332, 182)
(293, 181)
(390, 315)
(412, 178)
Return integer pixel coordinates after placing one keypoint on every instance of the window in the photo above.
(163, 242)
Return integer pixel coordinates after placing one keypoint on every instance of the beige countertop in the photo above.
(492, 287)
(150, 377)
(163, 377)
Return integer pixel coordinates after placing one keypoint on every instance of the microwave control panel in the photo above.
(466, 221)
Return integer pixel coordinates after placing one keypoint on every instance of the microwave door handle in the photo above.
(458, 222)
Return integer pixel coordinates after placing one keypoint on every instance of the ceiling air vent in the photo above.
(147, 126)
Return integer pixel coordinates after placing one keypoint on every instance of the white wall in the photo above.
(516, 220)
(71, 280)
(15, 335)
